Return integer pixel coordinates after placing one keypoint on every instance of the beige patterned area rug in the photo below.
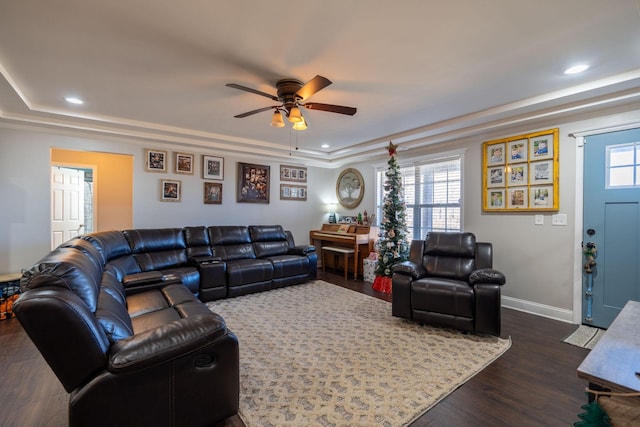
(322, 355)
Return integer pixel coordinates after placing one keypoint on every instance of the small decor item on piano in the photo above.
(343, 228)
(392, 247)
(331, 208)
(347, 220)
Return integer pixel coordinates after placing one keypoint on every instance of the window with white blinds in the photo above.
(432, 192)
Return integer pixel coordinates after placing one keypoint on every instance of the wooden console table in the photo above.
(615, 359)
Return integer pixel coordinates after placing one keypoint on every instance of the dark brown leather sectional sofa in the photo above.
(119, 318)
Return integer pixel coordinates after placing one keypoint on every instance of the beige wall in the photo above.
(113, 185)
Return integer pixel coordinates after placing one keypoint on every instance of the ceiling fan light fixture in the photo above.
(301, 125)
(276, 120)
(290, 94)
(294, 115)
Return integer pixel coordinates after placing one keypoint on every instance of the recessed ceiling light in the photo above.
(325, 146)
(74, 100)
(576, 69)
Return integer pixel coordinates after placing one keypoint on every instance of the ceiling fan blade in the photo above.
(312, 86)
(248, 89)
(350, 111)
(259, 110)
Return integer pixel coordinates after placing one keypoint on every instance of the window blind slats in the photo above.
(432, 195)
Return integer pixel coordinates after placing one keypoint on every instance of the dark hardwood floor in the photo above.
(533, 384)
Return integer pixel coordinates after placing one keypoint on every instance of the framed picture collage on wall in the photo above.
(520, 173)
(293, 176)
(184, 163)
(253, 180)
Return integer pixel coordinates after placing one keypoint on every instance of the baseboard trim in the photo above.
(543, 310)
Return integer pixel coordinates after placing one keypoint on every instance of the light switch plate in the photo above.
(538, 219)
(559, 219)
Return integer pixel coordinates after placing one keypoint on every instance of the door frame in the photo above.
(579, 211)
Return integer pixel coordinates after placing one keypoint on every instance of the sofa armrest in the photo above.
(142, 278)
(409, 268)
(165, 343)
(487, 275)
(199, 260)
(302, 250)
(148, 277)
(139, 282)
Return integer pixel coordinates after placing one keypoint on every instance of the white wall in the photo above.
(541, 262)
(25, 213)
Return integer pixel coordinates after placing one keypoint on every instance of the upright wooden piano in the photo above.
(360, 238)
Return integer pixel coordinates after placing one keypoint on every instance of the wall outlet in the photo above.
(559, 219)
(538, 219)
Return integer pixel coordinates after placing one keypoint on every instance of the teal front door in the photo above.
(611, 223)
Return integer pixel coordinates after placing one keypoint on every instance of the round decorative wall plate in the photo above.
(350, 188)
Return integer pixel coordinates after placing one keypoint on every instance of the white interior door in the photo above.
(67, 204)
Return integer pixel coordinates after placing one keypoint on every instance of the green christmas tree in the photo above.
(392, 247)
(594, 416)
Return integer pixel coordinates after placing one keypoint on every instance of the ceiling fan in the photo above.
(292, 94)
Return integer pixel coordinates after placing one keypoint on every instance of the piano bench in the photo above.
(338, 250)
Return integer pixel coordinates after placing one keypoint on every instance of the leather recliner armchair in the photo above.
(449, 281)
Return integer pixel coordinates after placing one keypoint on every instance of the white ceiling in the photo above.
(418, 71)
